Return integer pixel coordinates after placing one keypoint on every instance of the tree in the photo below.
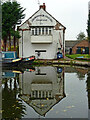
(88, 26)
(81, 36)
(12, 14)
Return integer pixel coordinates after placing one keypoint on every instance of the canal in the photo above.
(45, 92)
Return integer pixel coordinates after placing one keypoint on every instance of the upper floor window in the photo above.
(41, 30)
(49, 30)
(32, 31)
(46, 31)
(35, 31)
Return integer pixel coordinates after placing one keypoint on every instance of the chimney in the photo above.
(43, 6)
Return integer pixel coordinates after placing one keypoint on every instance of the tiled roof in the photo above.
(71, 43)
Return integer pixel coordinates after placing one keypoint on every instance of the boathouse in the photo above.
(42, 36)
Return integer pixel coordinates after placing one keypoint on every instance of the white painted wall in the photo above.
(50, 43)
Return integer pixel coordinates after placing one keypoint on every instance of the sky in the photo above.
(73, 14)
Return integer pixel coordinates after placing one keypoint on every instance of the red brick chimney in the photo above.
(43, 6)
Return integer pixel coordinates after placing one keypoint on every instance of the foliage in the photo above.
(12, 48)
(88, 26)
(81, 36)
(12, 14)
(15, 33)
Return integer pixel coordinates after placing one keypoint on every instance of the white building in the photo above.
(42, 36)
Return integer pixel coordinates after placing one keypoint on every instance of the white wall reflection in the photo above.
(42, 88)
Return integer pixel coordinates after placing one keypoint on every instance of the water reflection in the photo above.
(43, 88)
(88, 88)
(0, 97)
(81, 73)
(12, 106)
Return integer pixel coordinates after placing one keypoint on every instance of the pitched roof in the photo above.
(56, 20)
(71, 43)
(48, 14)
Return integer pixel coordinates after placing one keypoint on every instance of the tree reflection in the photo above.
(80, 76)
(12, 106)
(88, 88)
(81, 73)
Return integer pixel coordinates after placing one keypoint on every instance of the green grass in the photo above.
(74, 56)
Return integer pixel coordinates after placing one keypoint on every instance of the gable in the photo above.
(40, 18)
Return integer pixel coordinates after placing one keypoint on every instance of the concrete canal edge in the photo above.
(73, 63)
(64, 62)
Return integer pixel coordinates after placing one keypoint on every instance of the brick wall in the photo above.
(83, 43)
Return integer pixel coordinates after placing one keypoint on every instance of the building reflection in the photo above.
(81, 72)
(40, 87)
(43, 88)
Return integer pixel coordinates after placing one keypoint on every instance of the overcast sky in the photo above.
(73, 14)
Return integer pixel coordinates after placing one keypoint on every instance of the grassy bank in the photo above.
(74, 56)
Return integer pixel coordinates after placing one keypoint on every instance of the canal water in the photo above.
(45, 92)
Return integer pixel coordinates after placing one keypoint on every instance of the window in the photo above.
(50, 94)
(43, 94)
(32, 31)
(78, 51)
(46, 31)
(39, 94)
(32, 93)
(46, 93)
(36, 94)
(49, 30)
(35, 31)
(41, 30)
